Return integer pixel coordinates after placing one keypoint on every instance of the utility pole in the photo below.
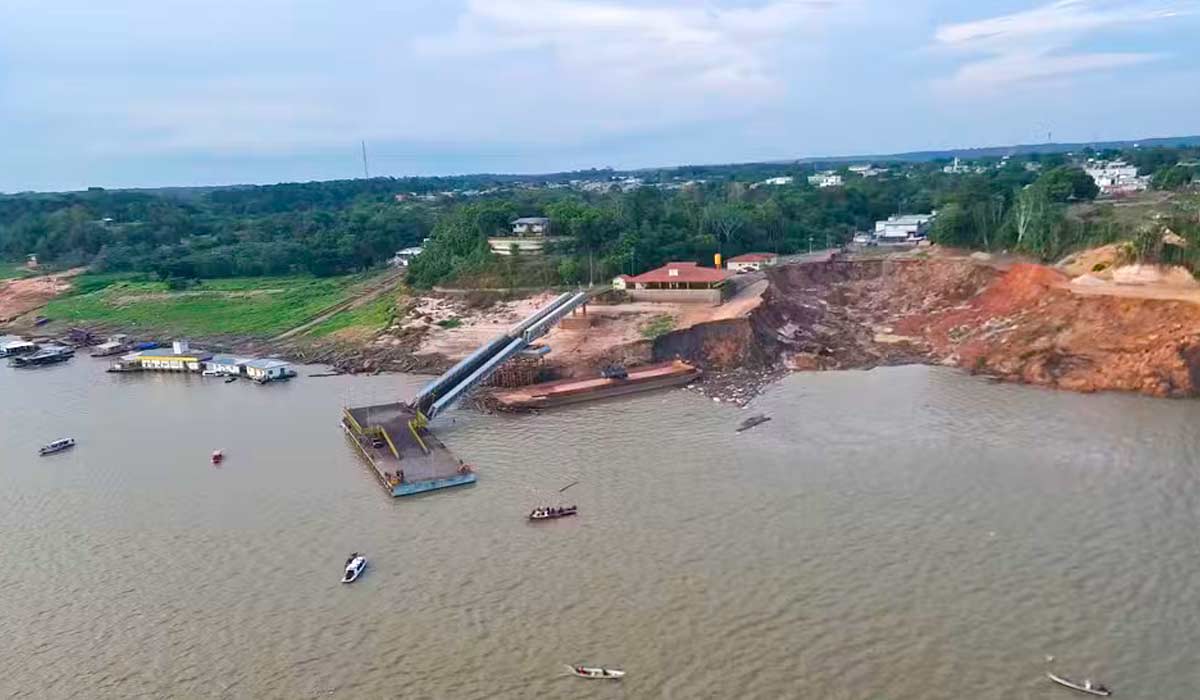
(366, 173)
(810, 240)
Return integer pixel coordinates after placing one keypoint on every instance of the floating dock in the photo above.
(406, 458)
(395, 437)
(566, 391)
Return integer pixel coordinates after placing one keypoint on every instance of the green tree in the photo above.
(1065, 183)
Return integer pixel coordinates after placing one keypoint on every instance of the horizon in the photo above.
(937, 154)
(134, 95)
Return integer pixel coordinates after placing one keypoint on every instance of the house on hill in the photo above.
(679, 282)
(751, 262)
(528, 236)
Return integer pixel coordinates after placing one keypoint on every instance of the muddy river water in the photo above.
(900, 533)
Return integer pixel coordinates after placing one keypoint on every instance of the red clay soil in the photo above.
(1025, 325)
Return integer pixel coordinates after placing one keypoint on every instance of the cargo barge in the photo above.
(567, 391)
(405, 456)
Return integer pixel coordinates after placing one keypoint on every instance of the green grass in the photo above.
(240, 306)
(14, 271)
(448, 323)
(371, 317)
(659, 325)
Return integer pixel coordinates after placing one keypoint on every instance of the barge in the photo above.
(405, 456)
(567, 391)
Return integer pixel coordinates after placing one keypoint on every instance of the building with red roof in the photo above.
(751, 262)
(679, 282)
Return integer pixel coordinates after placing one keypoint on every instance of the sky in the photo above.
(145, 93)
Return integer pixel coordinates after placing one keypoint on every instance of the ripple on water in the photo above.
(885, 533)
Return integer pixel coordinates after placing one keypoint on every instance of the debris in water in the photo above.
(753, 421)
(568, 486)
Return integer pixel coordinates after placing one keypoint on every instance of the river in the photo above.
(906, 532)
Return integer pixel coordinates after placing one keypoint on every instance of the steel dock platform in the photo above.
(406, 459)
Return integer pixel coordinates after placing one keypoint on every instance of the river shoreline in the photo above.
(1017, 322)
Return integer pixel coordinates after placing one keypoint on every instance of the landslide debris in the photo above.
(1022, 323)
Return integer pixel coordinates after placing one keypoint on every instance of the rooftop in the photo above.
(532, 220)
(754, 257)
(267, 364)
(228, 360)
(681, 272)
(170, 352)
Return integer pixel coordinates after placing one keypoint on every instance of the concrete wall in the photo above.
(711, 297)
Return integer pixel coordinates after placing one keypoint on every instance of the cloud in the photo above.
(1037, 44)
(631, 51)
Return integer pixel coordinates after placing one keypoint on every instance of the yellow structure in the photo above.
(179, 357)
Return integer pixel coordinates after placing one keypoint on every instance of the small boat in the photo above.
(230, 379)
(586, 672)
(354, 567)
(57, 446)
(552, 513)
(218, 456)
(1085, 687)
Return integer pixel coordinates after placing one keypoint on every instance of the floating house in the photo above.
(46, 355)
(178, 358)
(114, 345)
(12, 345)
(226, 365)
(268, 370)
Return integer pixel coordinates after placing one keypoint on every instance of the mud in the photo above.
(1022, 324)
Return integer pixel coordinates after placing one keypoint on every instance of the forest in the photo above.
(339, 227)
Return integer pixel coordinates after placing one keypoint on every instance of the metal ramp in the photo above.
(474, 369)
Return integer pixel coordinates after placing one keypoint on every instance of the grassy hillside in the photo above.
(261, 306)
(13, 270)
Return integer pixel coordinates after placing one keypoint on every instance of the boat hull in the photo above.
(1079, 687)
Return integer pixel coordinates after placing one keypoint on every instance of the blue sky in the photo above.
(160, 92)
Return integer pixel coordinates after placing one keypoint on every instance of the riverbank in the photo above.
(1011, 319)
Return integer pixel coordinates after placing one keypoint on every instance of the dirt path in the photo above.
(383, 287)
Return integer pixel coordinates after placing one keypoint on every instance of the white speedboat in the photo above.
(354, 567)
(56, 446)
(1085, 686)
(596, 673)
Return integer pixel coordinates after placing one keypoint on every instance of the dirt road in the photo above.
(384, 286)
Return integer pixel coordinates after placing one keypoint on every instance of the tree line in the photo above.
(336, 227)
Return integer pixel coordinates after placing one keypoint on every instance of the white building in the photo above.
(826, 179)
(12, 345)
(1115, 177)
(960, 168)
(226, 365)
(867, 170)
(531, 226)
(904, 228)
(404, 256)
(267, 370)
(751, 262)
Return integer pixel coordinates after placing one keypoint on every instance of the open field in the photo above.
(10, 270)
(358, 321)
(262, 306)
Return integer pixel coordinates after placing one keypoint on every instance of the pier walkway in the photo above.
(474, 369)
(395, 438)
